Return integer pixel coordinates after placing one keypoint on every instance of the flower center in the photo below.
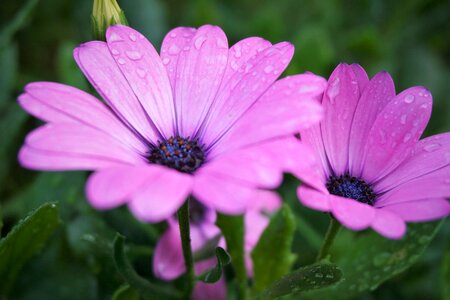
(351, 187)
(197, 212)
(182, 154)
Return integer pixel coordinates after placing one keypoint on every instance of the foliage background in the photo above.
(409, 39)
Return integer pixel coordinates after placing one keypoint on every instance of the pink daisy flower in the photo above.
(374, 171)
(168, 262)
(199, 119)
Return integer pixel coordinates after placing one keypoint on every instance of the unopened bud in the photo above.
(104, 14)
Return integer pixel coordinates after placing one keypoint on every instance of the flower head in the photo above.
(168, 260)
(199, 119)
(374, 171)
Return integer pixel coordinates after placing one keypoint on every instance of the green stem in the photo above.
(333, 229)
(183, 221)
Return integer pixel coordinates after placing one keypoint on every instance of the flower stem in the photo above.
(183, 221)
(333, 229)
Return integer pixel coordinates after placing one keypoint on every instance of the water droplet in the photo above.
(234, 65)
(409, 99)
(133, 37)
(237, 51)
(141, 72)
(121, 61)
(173, 35)
(221, 44)
(115, 52)
(134, 55)
(381, 259)
(174, 50)
(333, 90)
(407, 137)
(166, 60)
(186, 48)
(199, 41)
(114, 37)
(268, 69)
(403, 119)
(431, 147)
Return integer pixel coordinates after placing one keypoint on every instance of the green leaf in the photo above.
(213, 275)
(232, 228)
(445, 274)
(208, 250)
(25, 240)
(125, 292)
(144, 288)
(272, 256)
(304, 279)
(372, 259)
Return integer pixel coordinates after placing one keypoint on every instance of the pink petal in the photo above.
(58, 103)
(312, 137)
(255, 224)
(174, 42)
(168, 261)
(200, 67)
(202, 233)
(352, 214)
(432, 185)
(361, 76)
(388, 224)
(143, 69)
(430, 154)
(251, 167)
(376, 95)
(204, 291)
(160, 198)
(113, 187)
(77, 139)
(421, 210)
(266, 201)
(339, 103)
(244, 89)
(286, 108)
(395, 132)
(53, 161)
(98, 65)
(314, 199)
(223, 194)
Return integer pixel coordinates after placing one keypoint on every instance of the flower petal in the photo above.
(421, 210)
(352, 214)
(395, 132)
(58, 103)
(287, 107)
(313, 199)
(143, 69)
(160, 198)
(223, 194)
(374, 98)
(113, 187)
(199, 71)
(206, 291)
(388, 224)
(361, 76)
(168, 261)
(174, 42)
(267, 202)
(339, 103)
(430, 154)
(98, 65)
(78, 139)
(432, 185)
(255, 224)
(244, 89)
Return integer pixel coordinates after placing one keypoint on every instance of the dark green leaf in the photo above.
(144, 288)
(213, 275)
(445, 276)
(373, 259)
(25, 239)
(125, 292)
(304, 279)
(208, 250)
(272, 256)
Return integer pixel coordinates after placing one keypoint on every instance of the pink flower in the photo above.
(200, 119)
(375, 172)
(168, 262)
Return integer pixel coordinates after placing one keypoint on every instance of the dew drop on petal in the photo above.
(268, 69)
(407, 137)
(121, 61)
(174, 50)
(237, 52)
(221, 44)
(409, 99)
(115, 52)
(132, 37)
(199, 41)
(166, 60)
(333, 90)
(134, 55)
(431, 147)
(403, 119)
(114, 37)
(141, 72)
(173, 35)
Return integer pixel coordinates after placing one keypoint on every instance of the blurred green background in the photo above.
(409, 39)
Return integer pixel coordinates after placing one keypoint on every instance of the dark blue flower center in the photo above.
(351, 187)
(182, 154)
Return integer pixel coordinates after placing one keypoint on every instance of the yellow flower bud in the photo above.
(104, 14)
